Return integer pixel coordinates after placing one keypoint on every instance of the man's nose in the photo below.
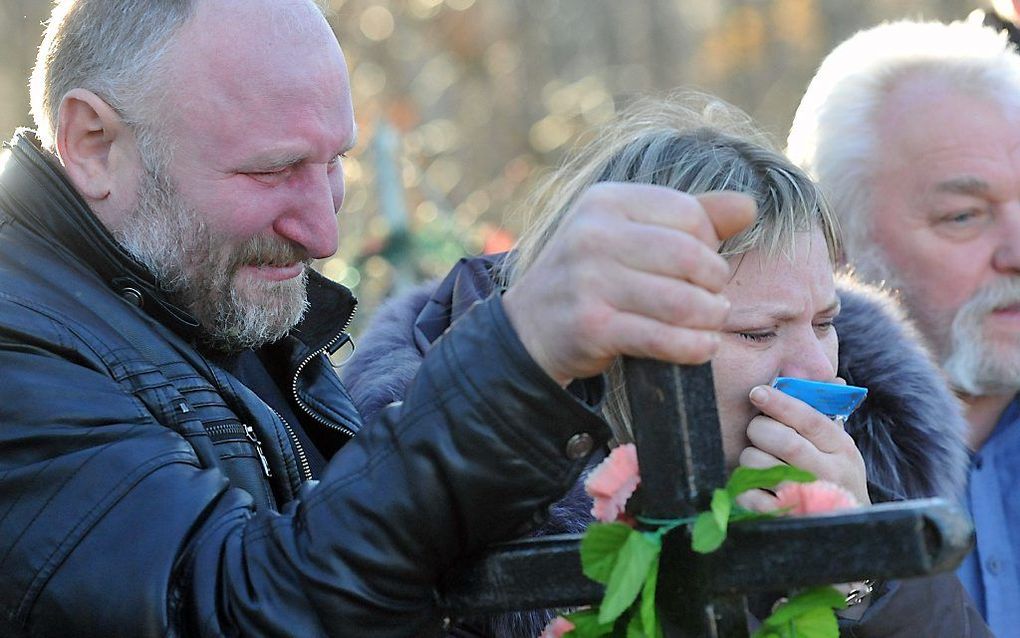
(311, 216)
(1006, 258)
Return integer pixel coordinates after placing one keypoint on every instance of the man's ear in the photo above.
(95, 146)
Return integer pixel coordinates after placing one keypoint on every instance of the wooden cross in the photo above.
(681, 459)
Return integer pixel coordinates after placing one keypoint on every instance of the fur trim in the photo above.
(911, 427)
(386, 358)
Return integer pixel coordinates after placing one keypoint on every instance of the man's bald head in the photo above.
(116, 50)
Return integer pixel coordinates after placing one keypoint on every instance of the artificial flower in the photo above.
(613, 482)
(557, 627)
(816, 497)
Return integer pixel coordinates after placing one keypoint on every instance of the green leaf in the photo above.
(647, 612)
(636, 628)
(587, 625)
(817, 623)
(824, 597)
(636, 557)
(722, 502)
(706, 536)
(745, 478)
(741, 515)
(809, 614)
(600, 548)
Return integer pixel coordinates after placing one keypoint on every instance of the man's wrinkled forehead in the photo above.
(269, 21)
(258, 75)
(256, 51)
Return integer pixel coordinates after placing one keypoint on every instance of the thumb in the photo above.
(729, 211)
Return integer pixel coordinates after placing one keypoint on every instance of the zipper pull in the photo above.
(250, 432)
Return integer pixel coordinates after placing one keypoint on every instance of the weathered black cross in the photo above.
(680, 455)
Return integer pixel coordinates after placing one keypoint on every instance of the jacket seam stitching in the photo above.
(77, 533)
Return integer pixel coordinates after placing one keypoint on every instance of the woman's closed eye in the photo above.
(756, 336)
(825, 325)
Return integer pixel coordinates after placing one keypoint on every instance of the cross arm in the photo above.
(891, 540)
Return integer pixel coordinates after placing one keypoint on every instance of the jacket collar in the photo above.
(36, 191)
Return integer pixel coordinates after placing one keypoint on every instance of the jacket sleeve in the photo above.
(476, 453)
(932, 606)
(109, 526)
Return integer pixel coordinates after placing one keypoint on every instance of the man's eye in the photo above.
(271, 176)
(961, 218)
(337, 159)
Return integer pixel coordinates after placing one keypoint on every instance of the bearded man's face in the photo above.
(229, 286)
(944, 226)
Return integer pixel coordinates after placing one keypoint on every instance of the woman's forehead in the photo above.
(803, 272)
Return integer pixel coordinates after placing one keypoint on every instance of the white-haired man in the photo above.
(177, 455)
(913, 131)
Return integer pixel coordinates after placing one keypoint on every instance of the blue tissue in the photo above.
(831, 399)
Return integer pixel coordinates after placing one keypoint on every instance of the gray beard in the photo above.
(972, 365)
(171, 239)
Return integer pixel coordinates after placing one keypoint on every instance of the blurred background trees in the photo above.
(461, 103)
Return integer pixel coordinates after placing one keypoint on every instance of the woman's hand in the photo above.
(788, 431)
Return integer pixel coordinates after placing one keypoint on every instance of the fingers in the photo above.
(667, 252)
(667, 300)
(758, 459)
(710, 217)
(792, 432)
(758, 501)
(639, 336)
(728, 211)
(815, 427)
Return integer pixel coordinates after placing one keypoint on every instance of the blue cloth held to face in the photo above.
(834, 400)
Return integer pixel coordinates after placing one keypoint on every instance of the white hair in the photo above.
(833, 135)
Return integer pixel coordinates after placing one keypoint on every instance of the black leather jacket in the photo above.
(146, 491)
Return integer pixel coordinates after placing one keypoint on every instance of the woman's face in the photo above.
(780, 324)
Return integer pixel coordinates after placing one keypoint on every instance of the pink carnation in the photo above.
(814, 498)
(557, 627)
(612, 483)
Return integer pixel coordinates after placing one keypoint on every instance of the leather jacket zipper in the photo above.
(250, 433)
(297, 373)
(219, 430)
(306, 467)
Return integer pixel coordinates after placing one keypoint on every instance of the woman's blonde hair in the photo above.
(692, 143)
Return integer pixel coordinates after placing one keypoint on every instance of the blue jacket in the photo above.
(146, 491)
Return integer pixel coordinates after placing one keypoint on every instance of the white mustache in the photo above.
(998, 295)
